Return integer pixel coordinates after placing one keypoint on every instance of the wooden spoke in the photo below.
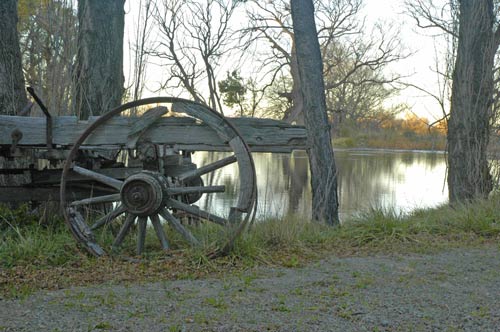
(196, 190)
(129, 220)
(178, 227)
(160, 232)
(114, 183)
(98, 199)
(207, 168)
(203, 130)
(247, 183)
(196, 211)
(141, 234)
(107, 218)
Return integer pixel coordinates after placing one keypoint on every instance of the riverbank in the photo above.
(35, 257)
(453, 290)
(392, 141)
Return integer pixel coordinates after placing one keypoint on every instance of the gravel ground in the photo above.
(457, 290)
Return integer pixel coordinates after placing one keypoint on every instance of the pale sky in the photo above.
(417, 67)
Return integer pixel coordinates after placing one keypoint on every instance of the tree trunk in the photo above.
(12, 90)
(295, 114)
(12, 93)
(99, 72)
(471, 102)
(320, 152)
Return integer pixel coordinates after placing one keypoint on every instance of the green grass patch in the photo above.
(35, 256)
(26, 239)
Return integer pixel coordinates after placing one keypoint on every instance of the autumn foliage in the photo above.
(409, 132)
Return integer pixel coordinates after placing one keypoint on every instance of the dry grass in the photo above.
(46, 257)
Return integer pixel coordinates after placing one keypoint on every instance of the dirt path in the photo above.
(457, 290)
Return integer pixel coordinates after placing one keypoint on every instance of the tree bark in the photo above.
(12, 89)
(12, 94)
(295, 114)
(471, 102)
(99, 73)
(321, 159)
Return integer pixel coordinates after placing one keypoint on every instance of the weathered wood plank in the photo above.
(212, 120)
(40, 194)
(160, 232)
(195, 190)
(81, 231)
(262, 135)
(207, 168)
(141, 234)
(107, 180)
(143, 123)
(119, 210)
(178, 227)
(97, 200)
(53, 176)
(195, 211)
(247, 185)
(129, 221)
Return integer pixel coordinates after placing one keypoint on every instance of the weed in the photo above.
(175, 328)
(292, 261)
(21, 292)
(248, 279)
(344, 312)
(200, 318)
(297, 291)
(481, 312)
(103, 326)
(108, 300)
(48, 257)
(281, 306)
(335, 292)
(364, 282)
(216, 302)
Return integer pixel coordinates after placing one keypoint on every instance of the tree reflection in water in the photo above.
(393, 180)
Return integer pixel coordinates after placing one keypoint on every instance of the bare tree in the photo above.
(12, 94)
(48, 35)
(475, 37)
(139, 47)
(339, 26)
(194, 37)
(320, 152)
(99, 71)
(357, 90)
(471, 101)
(442, 21)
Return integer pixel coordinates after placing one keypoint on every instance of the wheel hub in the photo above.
(143, 193)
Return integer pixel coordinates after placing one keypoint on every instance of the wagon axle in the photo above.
(143, 193)
(140, 169)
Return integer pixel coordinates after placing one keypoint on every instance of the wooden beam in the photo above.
(40, 194)
(262, 135)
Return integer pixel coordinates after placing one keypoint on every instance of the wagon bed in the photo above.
(139, 166)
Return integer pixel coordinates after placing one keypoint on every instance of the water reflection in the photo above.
(401, 181)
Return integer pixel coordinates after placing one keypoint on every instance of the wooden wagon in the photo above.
(136, 160)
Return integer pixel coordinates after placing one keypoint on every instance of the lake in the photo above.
(394, 180)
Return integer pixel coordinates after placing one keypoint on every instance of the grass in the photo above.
(38, 256)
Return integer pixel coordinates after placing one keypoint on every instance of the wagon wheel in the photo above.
(152, 195)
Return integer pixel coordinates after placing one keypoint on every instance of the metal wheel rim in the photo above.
(84, 236)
